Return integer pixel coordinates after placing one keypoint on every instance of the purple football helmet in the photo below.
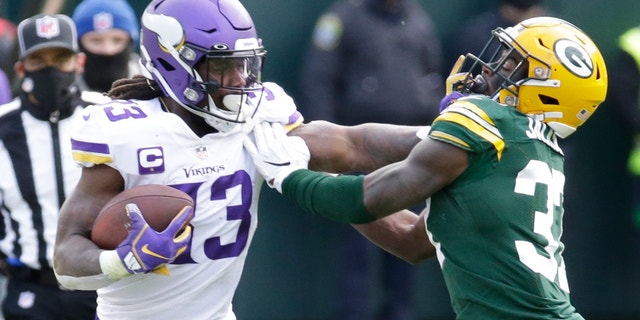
(216, 36)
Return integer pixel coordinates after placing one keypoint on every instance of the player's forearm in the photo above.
(338, 198)
(362, 148)
(385, 143)
(401, 234)
(375, 145)
(76, 255)
(77, 266)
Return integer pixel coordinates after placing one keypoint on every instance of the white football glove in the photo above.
(273, 105)
(275, 154)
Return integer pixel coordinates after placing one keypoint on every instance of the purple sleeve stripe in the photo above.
(295, 118)
(89, 147)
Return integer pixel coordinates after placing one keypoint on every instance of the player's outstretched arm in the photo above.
(361, 148)
(430, 166)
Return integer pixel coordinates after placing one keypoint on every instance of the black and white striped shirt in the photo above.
(36, 174)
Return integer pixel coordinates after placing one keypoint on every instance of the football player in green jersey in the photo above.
(490, 170)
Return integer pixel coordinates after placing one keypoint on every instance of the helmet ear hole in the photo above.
(548, 100)
(598, 74)
(166, 65)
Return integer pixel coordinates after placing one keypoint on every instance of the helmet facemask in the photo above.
(223, 87)
(504, 66)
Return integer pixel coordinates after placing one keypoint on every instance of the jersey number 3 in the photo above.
(213, 247)
(550, 265)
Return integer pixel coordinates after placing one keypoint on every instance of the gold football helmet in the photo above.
(548, 68)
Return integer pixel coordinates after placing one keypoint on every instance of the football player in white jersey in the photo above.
(183, 125)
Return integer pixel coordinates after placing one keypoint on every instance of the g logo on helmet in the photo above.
(574, 57)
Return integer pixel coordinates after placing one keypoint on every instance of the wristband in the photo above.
(111, 265)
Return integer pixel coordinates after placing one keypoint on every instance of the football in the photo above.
(159, 204)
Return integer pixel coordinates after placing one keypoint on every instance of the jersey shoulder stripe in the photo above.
(88, 152)
(102, 126)
(467, 123)
(445, 136)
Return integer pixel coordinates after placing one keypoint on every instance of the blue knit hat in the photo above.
(96, 15)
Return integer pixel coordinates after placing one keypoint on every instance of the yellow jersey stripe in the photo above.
(448, 137)
(289, 127)
(90, 158)
(477, 121)
(478, 115)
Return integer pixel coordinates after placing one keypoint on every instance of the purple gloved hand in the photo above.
(145, 249)
(449, 99)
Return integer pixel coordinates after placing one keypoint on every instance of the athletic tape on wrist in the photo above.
(111, 265)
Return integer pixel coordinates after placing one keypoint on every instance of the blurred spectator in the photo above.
(5, 88)
(373, 61)
(470, 36)
(7, 58)
(624, 99)
(51, 6)
(108, 32)
(7, 44)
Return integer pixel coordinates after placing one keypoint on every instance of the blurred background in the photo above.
(291, 270)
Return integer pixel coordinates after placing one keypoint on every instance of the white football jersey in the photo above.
(150, 146)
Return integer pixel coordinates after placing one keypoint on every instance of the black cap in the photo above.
(46, 31)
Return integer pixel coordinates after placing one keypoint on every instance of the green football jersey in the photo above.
(497, 227)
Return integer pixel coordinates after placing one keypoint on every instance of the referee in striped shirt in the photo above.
(37, 171)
